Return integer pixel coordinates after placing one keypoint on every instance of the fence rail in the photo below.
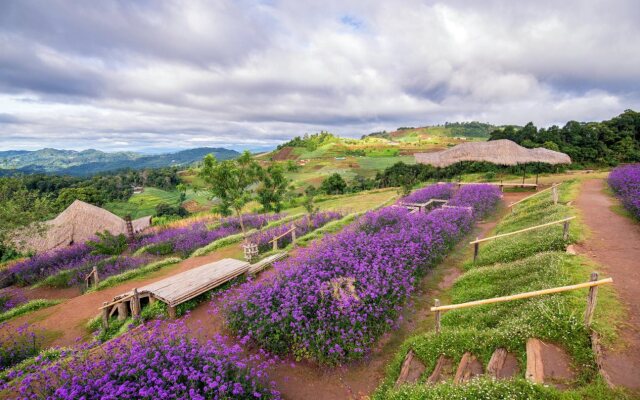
(553, 188)
(591, 298)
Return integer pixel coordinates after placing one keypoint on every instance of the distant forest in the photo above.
(605, 143)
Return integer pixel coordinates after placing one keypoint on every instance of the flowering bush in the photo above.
(17, 345)
(185, 240)
(11, 297)
(158, 364)
(107, 267)
(331, 301)
(625, 182)
(482, 198)
(48, 263)
(441, 191)
(304, 226)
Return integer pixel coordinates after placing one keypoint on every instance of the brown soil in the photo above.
(284, 154)
(65, 322)
(615, 244)
(556, 366)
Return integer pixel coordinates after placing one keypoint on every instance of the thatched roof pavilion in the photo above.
(500, 152)
(77, 224)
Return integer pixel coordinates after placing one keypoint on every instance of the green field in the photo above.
(143, 204)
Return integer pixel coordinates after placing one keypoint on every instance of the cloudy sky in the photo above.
(155, 75)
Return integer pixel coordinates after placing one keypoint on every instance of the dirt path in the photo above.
(615, 244)
(65, 322)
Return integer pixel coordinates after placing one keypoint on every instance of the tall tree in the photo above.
(230, 182)
(273, 186)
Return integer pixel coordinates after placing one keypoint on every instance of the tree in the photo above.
(20, 210)
(334, 184)
(309, 202)
(182, 189)
(230, 182)
(273, 186)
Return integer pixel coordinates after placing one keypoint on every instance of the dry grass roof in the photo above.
(500, 152)
(77, 224)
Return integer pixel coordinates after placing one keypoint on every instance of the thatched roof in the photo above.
(77, 224)
(501, 152)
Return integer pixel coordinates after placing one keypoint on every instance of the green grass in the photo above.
(134, 273)
(526, 263)
(143, 204)
(32, 305)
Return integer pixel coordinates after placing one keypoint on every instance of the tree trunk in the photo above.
(239, 213)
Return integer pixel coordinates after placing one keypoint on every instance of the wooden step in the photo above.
(412, 369)
(548, 364)
(503, 365)
(468, 368)
(444, 370)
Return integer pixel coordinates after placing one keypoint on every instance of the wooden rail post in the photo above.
(554, 195)
(438, 315)
(275, 243)
(565, 230)
(171, 310)
(476, 249)
(123, 311)
(293, 235)
(135, 303)
(592, 299)
(105, 315)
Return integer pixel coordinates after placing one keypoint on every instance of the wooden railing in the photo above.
(591, 298)
(291, 231)
(554, 191)
(420, 206)
(565, 234)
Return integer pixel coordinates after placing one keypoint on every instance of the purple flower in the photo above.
(625, 182)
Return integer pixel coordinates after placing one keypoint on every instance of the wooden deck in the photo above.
(182, 287)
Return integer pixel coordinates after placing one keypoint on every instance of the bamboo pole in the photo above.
(525, 295)
(533, 195)
(523, 230)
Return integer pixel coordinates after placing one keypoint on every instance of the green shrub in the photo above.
(28, 307)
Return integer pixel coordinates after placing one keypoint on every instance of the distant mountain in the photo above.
(88, 162)
(471, 129)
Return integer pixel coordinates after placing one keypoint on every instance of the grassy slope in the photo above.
(143, 204)
(557, 318)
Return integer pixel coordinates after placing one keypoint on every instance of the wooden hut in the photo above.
(77, 224)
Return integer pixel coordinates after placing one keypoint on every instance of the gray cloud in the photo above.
(174, 74)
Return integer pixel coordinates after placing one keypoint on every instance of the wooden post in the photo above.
(501, 186)
(565, 230)
(438, 315)
(524, 173)
(135, 303)
(123, 311)
(152, 299)
(171, 311)
(536, 180)
(105, 316)
(293, 236)
(476, 249)
(275, 243)
(592, 299)
(554, 195)
(96, 279)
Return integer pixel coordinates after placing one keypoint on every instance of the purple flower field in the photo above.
(161, 363)
(625, 182)
(186, 240)
(441, 191)
(20, 344)
(318, 220)
(482, 198)
(11, 297)
(332, 301)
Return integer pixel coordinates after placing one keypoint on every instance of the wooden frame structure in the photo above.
(92, 277)
(423, 206)
(565, 234)
(182, 287)
(291, 231)
(591, 298)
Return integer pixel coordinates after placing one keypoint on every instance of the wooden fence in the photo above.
(565, 234)
(554, 195)
(291, 231)
(591, 299)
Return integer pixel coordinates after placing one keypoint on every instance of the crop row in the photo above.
(332, 301)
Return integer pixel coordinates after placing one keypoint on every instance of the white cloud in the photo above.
(175, 74)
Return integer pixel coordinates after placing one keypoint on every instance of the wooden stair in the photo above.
(444, 370)
(468, 369)
(548, 364)
(503, 365)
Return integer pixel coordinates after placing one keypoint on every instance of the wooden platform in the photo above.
(183, 287)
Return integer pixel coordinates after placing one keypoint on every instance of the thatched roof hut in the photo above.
(77, 224)
(500, 152)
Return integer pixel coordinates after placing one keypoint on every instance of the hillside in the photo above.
(87, 162)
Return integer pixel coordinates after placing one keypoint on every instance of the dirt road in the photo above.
(615, 244)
